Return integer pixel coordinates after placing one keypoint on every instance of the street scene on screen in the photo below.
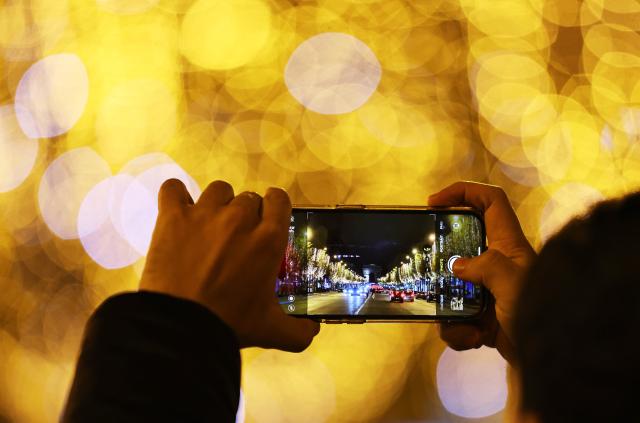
(340, 263)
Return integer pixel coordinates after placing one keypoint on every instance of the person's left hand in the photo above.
(224, 252)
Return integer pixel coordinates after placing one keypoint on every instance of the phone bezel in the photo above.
(332, 318)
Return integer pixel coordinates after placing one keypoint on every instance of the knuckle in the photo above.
(498, 192)
(487, 262)
(491, 256)
(492, 265)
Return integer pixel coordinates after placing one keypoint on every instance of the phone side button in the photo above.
(332, 322)
(356, 322)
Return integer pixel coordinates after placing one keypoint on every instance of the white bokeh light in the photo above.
(17, 153)
(97, 229)
(332, 73)
(472, 383)
(52, 95)
(117, 216)
(139, 209)
(241, 407)
(65, 184)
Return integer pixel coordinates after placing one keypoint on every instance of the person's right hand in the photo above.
(500, 268)
(224, 252)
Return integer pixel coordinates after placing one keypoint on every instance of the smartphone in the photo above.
(356, 264)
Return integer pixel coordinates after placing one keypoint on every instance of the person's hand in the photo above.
(224, 252)
(499, 269)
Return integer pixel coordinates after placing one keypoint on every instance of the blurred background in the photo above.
(337, 101)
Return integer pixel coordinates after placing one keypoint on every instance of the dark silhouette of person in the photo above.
(567, 319)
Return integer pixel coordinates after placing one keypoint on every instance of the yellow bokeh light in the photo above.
(17, 152)
(565, 13)
(566, 202)
(127, 7)
(100, 100)
(614, 84)
(517, 109)
(282, 376)
(324, 187)
(23, 36)
(616, 6)
(224, 34)
(135, 117)
(631, 167)
(504, 18)
(342, 142)
(395, 122)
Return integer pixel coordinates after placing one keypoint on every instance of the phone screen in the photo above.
(379, 264)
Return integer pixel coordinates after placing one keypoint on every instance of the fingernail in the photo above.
(459, 265)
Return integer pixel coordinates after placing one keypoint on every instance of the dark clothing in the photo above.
(152, 357)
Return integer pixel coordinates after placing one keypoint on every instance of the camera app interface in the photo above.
(378, 263)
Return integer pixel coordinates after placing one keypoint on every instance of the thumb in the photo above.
(492, 269)
(291, 334)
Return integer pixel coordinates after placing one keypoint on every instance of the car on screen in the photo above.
(409, 295)
(358, 291)
(402, 295)
(396, 295)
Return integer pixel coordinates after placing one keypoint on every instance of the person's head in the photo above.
(578, 319)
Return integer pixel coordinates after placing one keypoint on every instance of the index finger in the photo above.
(500, 219)
(276, 207)
(172, 194)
